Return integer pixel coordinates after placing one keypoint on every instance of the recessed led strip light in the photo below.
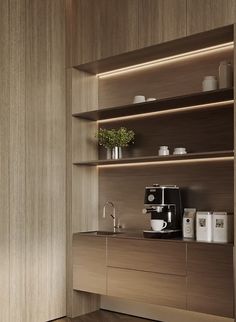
(169, 59)
(138, 164)
(174, 110)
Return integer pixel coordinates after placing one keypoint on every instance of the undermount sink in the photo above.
(103, 232)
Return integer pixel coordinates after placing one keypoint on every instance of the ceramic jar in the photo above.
(209, 83)
(163, 150)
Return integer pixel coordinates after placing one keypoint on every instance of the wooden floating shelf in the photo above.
(178, 102)
(167, 49)
(227, 155)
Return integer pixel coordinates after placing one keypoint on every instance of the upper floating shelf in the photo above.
(178, 102)
(202, 156)
(175, 47)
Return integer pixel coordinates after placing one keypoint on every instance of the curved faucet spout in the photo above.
(113, 214)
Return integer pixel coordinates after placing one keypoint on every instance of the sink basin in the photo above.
(103, 233)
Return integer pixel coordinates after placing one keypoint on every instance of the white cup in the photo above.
(209, 83)
(139, 99)
(150, 99)
(163, 150)
(179, 151)
(158, 224)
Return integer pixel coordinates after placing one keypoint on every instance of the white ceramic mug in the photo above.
(158, 224)
(150, 99)
(139, 99)
(179, 151)
(163, 150)
(209, 83)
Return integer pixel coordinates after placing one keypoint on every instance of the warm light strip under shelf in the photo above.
(174, 58)
(200, 160)
(175, 110)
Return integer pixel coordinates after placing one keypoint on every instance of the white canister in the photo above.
(163, 150)
(204, 226)
(225, 75)
(222, 227)
(209, 83)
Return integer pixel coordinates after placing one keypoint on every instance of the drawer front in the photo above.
(150, 256)
(210, 279)
(153, 288)
(89, 264)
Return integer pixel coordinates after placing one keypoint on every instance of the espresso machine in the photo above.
(164, 205)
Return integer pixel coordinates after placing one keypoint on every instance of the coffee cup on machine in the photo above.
(158, 224)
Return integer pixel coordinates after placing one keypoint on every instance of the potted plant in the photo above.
(114, 140)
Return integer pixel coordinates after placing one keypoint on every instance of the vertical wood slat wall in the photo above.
(32, 161)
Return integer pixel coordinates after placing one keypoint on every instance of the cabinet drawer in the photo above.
(210, 279)
(89, 264)
(153, 288)
(151, 256)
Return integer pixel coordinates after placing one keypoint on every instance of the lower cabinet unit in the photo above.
(153, 288)
(186, 275)
(210, 279)
(89, 264)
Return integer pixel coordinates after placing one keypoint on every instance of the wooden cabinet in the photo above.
(84, 23)
(106, 28)
(210, 279)
(153, 288)
(209, 14)
(161, 20)
(193, 276)
(119, 26)
(89, 264)
(150, 256)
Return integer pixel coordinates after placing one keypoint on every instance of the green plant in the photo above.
(111, 138)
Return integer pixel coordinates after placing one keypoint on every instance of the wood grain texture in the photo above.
(210, 276)
(17, 161)
(46, 161)
(86, 32)
(169, 79)
(143, 255)
(205, 186)
(5, 161)
(84, 91)
(119, 26)
(198, 41)
(209, 14)
(82, 94)
(214, 128)
(161, 20)
(89, 264)
(153, 288)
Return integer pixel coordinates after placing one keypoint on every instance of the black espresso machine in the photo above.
(163, 203)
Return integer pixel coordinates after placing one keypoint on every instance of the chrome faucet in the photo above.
(113, 214)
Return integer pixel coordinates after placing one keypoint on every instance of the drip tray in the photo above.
(162, 234)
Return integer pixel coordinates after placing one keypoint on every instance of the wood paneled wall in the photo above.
(4, 161)
(45, 160)
(160, 21)
(33, 156)
(209, 14)
(108, 27)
